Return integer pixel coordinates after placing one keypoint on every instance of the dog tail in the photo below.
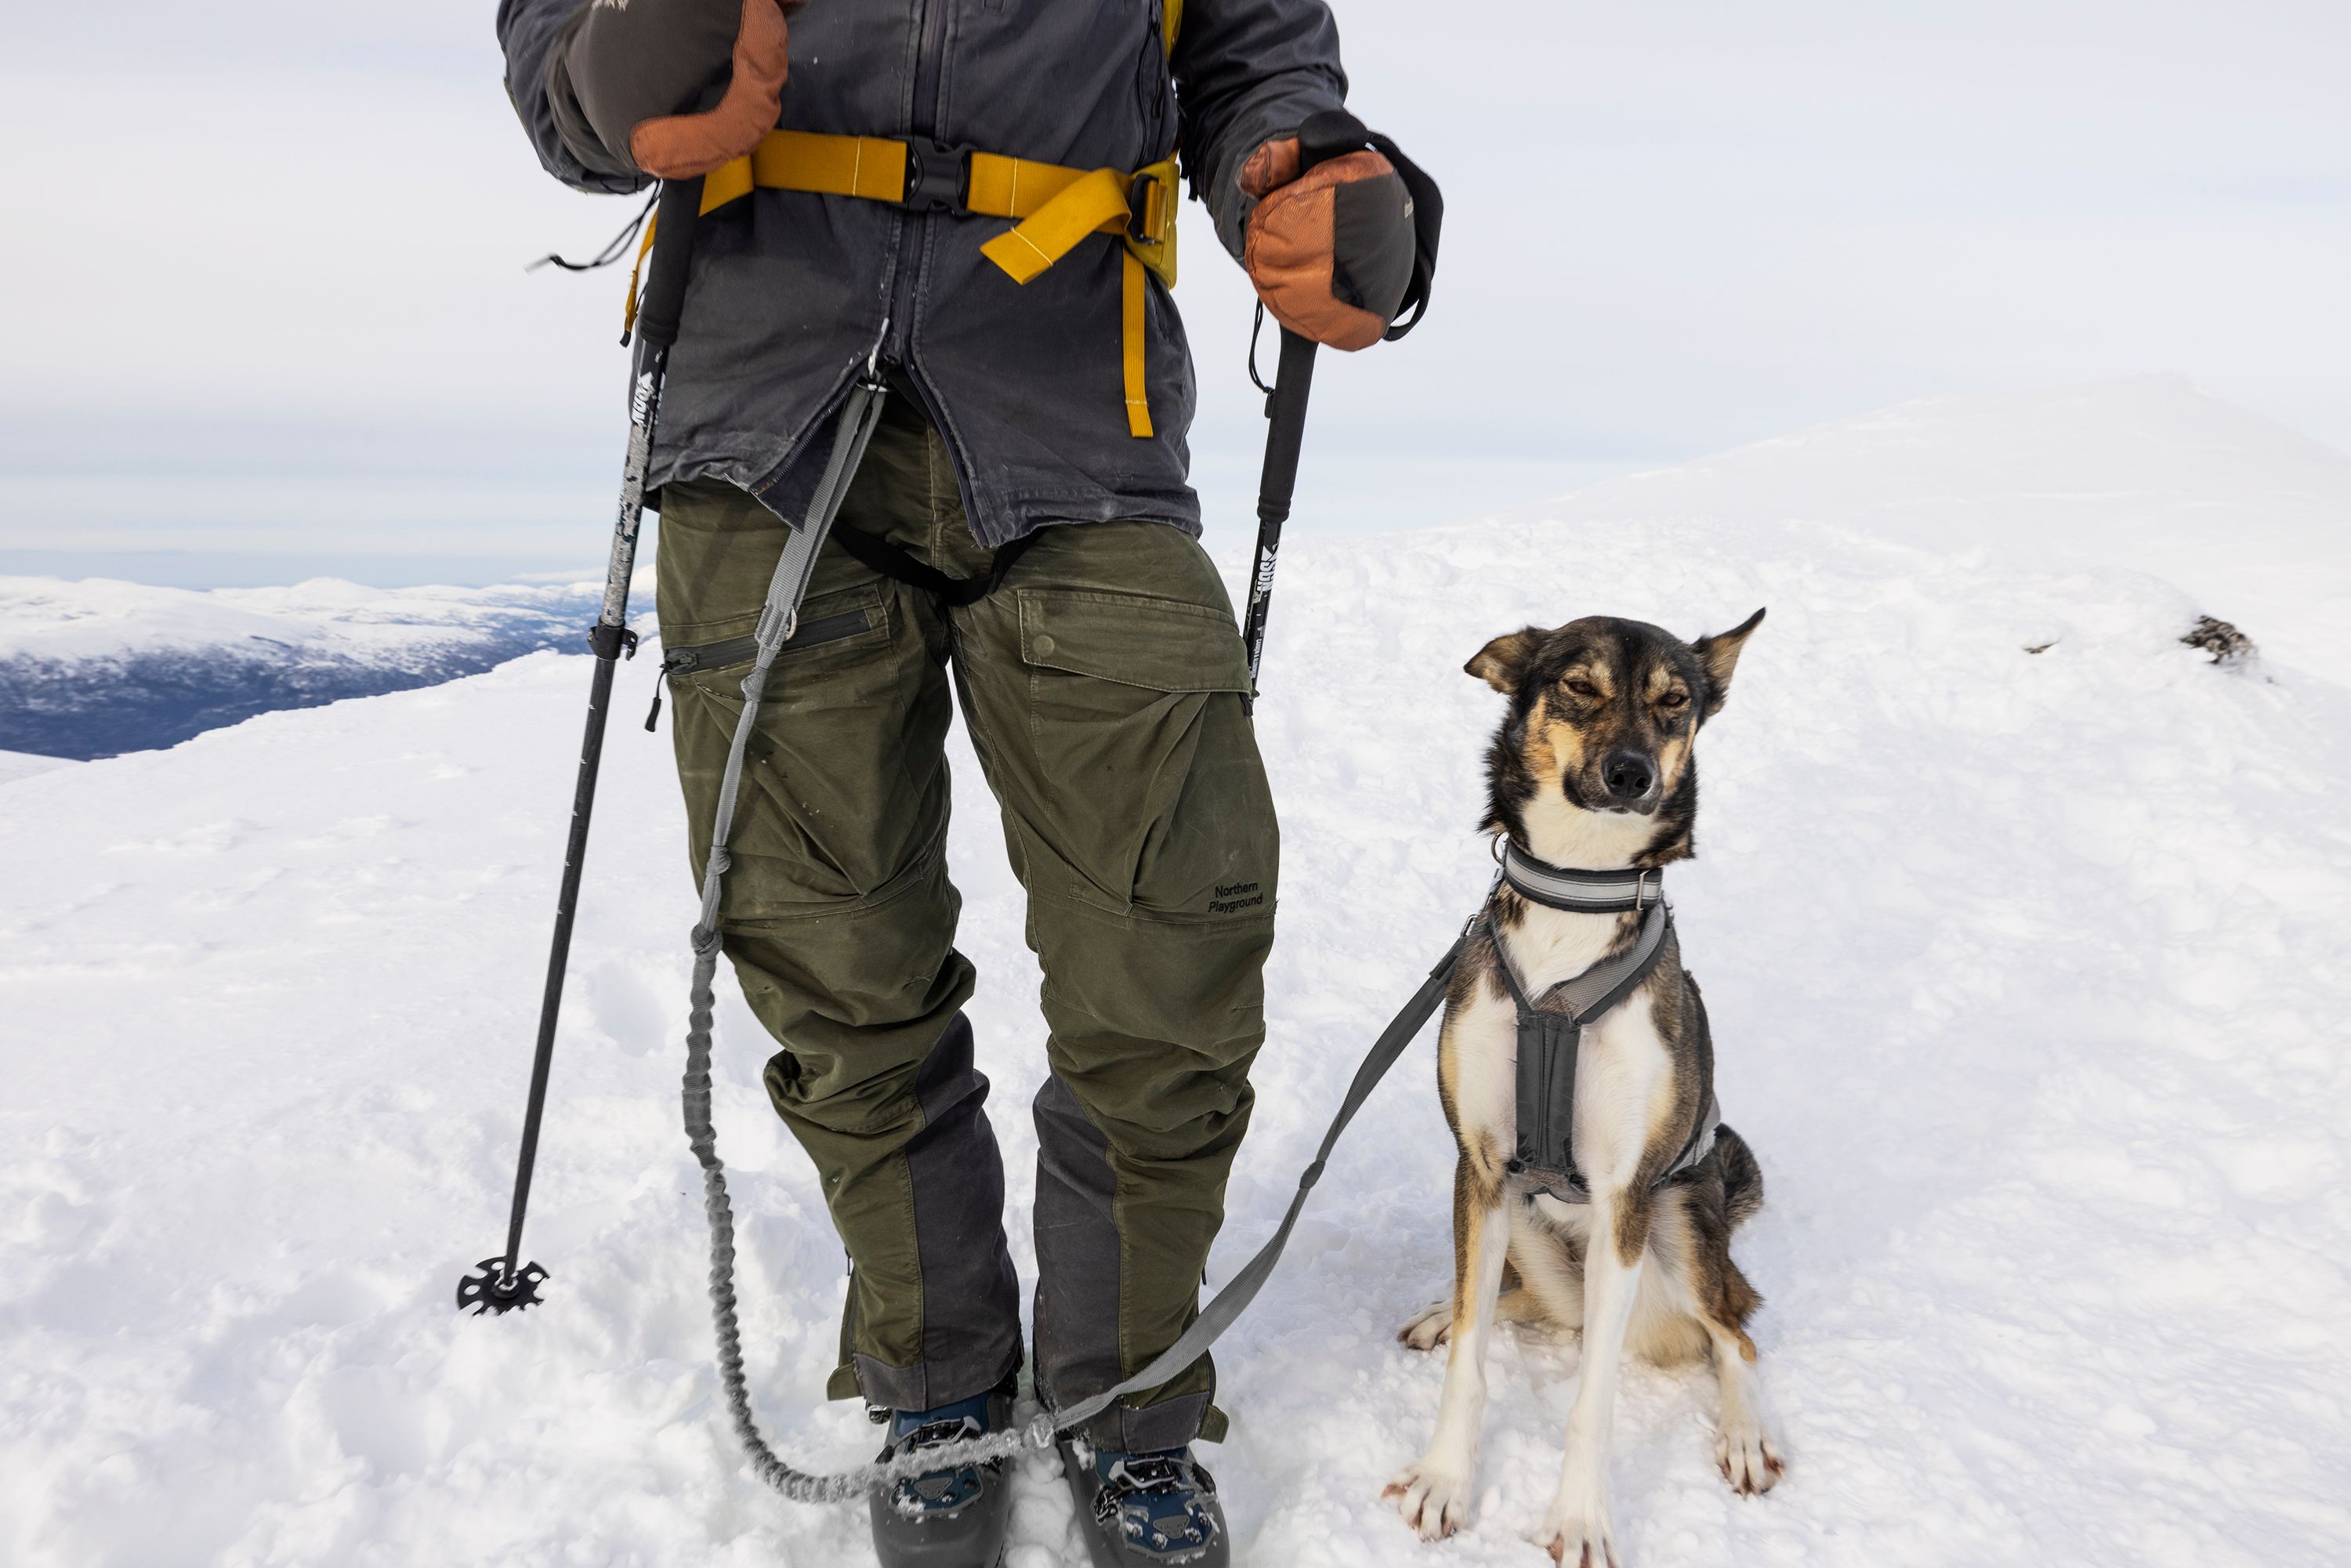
(1742, 1178)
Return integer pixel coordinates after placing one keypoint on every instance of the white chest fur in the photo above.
(1566, 834)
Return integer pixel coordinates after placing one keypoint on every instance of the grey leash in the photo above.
(778, 617)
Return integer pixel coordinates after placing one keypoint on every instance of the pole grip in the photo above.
(1285, 436)
(1325, 135)
(675, 218)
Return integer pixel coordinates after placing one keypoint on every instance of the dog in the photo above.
(1592, 769)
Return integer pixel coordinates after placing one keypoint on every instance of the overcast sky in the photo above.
(267, 302)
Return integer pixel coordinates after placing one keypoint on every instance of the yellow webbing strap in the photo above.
(1090, 203)
(644, 246)
(1002, 187)
(1171, 22)
(1059, 206)
(1055, 208)
(1131, 294)
(871, 167)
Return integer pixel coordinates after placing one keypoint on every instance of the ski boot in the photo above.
(1147, 1510)
(952, 1518)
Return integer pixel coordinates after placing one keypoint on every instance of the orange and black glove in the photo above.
(668, 88)
(1342, 239)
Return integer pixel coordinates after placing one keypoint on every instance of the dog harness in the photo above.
(1551, 1027)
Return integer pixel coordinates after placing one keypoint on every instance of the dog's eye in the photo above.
(1673, 700)
(1583, 688)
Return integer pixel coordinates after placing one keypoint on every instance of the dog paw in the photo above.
(1749, 1460)
(1579, 1536)
(1433, 1498)
(1429, 1330)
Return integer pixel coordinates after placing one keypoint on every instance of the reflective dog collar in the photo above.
(1580, 892)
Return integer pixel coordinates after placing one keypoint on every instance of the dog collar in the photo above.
(1579, 892)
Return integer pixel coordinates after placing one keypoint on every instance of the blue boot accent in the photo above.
(1147, 1510)
(952, 1518)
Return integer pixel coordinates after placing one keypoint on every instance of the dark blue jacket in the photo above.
(791, 292)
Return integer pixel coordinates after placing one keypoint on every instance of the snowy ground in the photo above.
(15, 765)
(2025, 969)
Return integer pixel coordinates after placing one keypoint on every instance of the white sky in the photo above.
(267, 299)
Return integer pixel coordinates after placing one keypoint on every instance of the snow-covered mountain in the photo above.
(2021, 925)
(100, 667)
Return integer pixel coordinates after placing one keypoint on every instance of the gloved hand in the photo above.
(1330, 250)
(668, 88)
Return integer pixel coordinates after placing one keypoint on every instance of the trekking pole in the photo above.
(1326, 135)
(505, 1282)
(1285, 436)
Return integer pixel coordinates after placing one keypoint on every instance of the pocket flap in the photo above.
(1159, 645)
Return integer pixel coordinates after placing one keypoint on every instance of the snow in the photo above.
(2146, 472)
(99, 667)
(2025, 972)
(15, 765)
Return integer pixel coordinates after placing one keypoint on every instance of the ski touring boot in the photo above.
(953, 1517)
(1147, 1510)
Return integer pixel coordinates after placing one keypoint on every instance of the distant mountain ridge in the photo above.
(2249, 521)
(100, 667)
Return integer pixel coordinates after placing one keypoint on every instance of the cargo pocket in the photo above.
(810, 633)
(839, 794)
(1141, 746)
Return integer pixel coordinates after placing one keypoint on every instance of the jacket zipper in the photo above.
(930, 62)
(914, 228)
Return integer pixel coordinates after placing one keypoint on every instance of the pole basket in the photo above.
(493, 1287)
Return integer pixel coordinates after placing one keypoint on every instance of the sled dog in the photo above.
(1592, 770)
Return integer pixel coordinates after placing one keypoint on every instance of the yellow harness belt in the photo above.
(1054, 209)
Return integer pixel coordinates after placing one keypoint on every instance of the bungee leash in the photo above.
(778, 617)
(1042, 1431)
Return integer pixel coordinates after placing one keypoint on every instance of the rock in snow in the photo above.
(2025, 972)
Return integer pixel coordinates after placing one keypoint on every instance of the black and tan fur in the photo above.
(1592, 768)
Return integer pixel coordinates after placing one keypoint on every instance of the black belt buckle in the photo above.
(938, 177)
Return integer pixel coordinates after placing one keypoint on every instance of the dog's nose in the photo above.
(1629, 775)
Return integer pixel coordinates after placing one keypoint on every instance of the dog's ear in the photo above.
(1718, 656)
(1500, 663)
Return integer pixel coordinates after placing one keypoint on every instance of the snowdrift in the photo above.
(2025, 967)
(2146, 472)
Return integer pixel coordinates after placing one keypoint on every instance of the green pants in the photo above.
(1101, 684)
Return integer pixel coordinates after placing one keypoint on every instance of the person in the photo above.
(1019, 540)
